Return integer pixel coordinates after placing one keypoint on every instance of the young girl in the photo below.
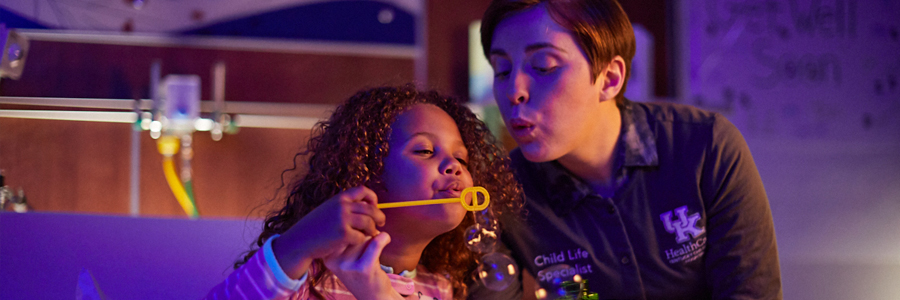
(385, 144)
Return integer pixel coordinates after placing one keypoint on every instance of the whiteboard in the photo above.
(797, 69)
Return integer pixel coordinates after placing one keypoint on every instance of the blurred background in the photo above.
(812, 85)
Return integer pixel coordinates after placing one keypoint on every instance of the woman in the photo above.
(643, 201)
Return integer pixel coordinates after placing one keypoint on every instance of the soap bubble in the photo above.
(480, 239)
(481, 216)
(486, 219)
(497, 271)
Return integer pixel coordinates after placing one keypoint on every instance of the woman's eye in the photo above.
(544, 70)
(544, 63)
(501, 66)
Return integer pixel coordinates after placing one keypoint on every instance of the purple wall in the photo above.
(813, 86)
(42, 254)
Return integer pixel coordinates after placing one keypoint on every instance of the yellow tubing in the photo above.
(178, 189)
(417, 203)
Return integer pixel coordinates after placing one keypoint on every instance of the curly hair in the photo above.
(348, 150)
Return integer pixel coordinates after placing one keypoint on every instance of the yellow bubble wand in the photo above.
(475, 206)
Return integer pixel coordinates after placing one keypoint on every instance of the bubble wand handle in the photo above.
(475, 206)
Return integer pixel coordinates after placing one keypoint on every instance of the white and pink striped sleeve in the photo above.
(259, 278)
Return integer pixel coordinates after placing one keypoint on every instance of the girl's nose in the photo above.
(452, 166)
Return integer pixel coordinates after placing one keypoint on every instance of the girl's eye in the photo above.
(501, 75)
(463, 162)
(424, 152)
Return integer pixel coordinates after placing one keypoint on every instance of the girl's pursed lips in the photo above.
(454, 189)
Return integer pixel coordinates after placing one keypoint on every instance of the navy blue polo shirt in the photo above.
(689, 218)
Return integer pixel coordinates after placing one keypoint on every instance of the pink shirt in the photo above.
(262, 278)
(423, 286)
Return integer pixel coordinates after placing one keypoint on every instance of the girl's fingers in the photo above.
(362, 256)
(365, 195)
(363, 223)
(346, 257)
(357, 214)
(362, 194)
(352, 239)
(357, 237)
(368, 210)
(373, 249)
(363, 200)
(353, 252)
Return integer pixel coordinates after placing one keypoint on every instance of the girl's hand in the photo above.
(359, 268)
(348, 219)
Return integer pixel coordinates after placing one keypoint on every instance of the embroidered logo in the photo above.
(683, 226)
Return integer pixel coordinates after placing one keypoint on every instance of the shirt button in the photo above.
(611, 209)
(625, 260)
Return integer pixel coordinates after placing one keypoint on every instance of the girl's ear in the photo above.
(612, 78)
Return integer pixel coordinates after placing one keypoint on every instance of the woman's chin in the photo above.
(535, 152)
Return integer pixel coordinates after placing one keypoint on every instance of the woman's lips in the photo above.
(520, 128)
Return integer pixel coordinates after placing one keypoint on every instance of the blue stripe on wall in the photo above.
(348, 21)
(12, 20)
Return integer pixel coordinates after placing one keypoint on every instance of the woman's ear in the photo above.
(612, 78)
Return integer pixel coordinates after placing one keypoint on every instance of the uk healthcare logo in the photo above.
(683, 226)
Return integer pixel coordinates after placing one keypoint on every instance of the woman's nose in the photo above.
(518, 89)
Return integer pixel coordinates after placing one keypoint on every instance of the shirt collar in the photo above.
(402, 283)
(405, 273)
(637, 143)
(566, 191)
(636, 148)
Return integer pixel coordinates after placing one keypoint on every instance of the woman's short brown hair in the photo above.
(600, 27)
